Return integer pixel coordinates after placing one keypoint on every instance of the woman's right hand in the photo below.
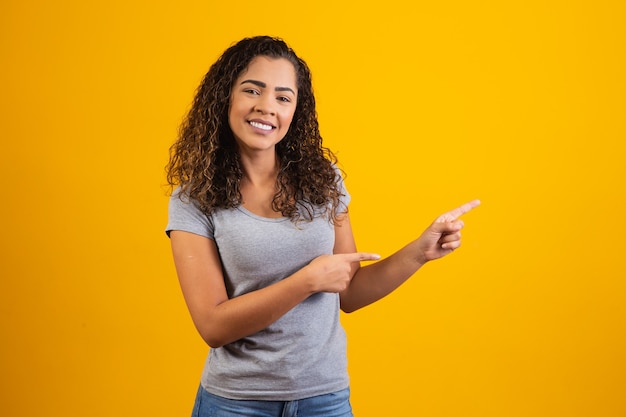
(333, 273)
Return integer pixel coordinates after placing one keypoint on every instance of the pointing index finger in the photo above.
(361, 256)
(458, 212)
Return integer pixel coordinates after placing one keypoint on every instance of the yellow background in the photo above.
(427, 104)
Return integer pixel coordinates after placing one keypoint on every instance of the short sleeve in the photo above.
(184, 215)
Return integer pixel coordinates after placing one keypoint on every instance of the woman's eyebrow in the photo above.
(263, 85)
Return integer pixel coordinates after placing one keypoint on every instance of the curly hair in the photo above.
(204, 161)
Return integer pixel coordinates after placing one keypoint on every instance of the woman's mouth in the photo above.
(262, 126)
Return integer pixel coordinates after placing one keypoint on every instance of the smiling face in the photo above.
(262, 103)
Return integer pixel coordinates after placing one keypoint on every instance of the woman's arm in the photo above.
(373, 282)
(221, 320)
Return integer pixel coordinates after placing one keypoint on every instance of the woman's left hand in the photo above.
(443, 236)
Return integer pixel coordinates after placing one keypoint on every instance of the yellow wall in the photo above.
(520, 104)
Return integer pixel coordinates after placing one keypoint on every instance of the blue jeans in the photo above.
(336, 404)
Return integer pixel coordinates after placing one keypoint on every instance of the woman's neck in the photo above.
(258, 185)
(260, 169)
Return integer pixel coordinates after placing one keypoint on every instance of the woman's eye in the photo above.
(251, 91)
(284, 99)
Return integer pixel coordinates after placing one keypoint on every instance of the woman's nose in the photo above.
(265, 105)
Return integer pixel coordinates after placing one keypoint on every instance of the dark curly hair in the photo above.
(204, 161)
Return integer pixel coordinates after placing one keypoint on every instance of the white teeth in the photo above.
(261, 126)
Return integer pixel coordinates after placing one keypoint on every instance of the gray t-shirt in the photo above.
(302, 354)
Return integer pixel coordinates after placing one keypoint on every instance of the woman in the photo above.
(262, 240)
